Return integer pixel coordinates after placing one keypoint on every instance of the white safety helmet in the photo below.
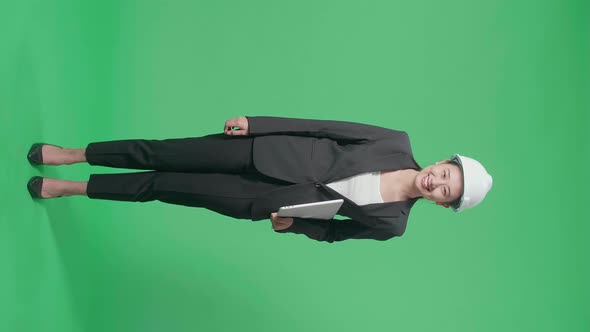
(476, 182)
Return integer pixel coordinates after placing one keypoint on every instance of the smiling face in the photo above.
(441, 183)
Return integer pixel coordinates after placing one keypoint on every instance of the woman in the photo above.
(261, 163)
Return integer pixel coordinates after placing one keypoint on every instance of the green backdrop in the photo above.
(506, 82)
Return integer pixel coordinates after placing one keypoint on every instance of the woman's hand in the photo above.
(280, 223)
(240, 121)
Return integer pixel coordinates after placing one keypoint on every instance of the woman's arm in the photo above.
(336, 230)
(336, 130)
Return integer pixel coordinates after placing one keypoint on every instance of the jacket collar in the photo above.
(394, 161)
(387, 209)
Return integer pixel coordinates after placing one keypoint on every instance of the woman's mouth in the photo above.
(425, 183)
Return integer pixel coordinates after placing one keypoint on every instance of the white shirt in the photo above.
(362, 189)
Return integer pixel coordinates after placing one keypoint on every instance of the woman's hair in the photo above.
(454, 204)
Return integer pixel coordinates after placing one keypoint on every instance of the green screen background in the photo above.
(505, 82)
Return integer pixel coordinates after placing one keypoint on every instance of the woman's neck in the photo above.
(399, 185)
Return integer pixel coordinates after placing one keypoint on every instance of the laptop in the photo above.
(317, 210)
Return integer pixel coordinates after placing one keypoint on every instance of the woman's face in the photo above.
(441, 183)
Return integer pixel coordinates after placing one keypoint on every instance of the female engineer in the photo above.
(260, 163)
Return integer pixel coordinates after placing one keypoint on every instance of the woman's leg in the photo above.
(228, 194)
(55, 155)
(57, 188)
(216, 153)
(211, 153)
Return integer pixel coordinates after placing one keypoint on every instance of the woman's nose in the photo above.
(437, 181)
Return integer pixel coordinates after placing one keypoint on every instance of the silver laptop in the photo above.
(317, 210)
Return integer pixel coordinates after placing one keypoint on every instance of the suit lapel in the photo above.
(387, 209)
(394, 161)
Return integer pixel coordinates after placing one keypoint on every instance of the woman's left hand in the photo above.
(241, 122)
(280, 223)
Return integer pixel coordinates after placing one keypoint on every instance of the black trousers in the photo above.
(214, 172)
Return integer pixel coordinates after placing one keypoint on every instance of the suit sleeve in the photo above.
(336, 230)
(336, 130)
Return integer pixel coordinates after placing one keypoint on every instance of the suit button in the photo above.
(317, 185)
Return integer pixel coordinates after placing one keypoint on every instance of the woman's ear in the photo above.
(443, 204)
(443, 161)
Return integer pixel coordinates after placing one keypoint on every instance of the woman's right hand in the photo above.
(280, 223)
(240, 121)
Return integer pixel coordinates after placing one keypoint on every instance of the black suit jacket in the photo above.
(311, 153)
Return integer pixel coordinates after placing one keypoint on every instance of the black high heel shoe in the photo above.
(35, 156)
(34, 186)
